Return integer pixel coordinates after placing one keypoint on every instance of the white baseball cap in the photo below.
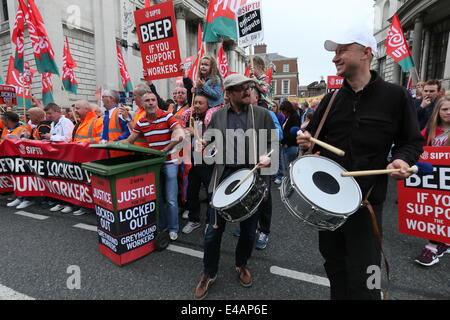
(362, 37)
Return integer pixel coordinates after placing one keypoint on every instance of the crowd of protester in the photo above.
(192, 107)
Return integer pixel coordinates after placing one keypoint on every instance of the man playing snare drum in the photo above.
(367, 117)
(231, 123)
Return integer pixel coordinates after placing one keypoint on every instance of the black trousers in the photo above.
(348, 252)
(198, 175)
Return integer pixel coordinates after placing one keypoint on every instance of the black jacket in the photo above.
(289, 139)
(365, 125)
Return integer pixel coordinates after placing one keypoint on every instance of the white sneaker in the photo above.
(185, 215)
(173, 236)
(14, 203)
(58, 207)
(25, 204)
(191, 226)
(67, 209)
(277, 181)
(80, 212)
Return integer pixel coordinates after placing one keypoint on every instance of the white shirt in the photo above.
(61, 130)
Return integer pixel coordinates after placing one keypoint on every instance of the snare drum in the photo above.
(241, 204)
(317, 194)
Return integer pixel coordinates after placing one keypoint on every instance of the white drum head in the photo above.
(319, 180)
(223, 196)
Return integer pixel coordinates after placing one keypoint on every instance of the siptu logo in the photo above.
(22, 149)
(425, 155)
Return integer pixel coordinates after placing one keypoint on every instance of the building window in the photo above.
(286, 87)
(439, 52)
(4, 11)
(285, 68)
(382, 67)
(274, 86)
(386, 15)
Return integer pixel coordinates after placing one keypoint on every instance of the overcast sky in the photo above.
(298, 28)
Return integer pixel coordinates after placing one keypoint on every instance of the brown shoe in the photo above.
(245, 277)
(202, 288)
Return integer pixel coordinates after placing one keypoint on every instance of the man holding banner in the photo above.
(366, 117)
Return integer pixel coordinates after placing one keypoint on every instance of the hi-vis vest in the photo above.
(115, 130)
(17, 132)
(141, 141)
(89, 130)
(179, 114)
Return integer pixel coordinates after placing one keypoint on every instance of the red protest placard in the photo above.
(157, 33)
(135, 191)
(8, 95)
(424, 201)
(335, 82)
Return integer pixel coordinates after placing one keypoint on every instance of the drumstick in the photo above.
(413, 169)
(249, 174)
(325, 145)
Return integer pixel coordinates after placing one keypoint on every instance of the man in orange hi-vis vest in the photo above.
(13, 128)
(181, 104)
(90, 126)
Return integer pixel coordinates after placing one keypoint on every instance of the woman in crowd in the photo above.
(436, 134)
(289, 146)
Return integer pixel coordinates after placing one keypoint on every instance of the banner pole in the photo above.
(251, 60)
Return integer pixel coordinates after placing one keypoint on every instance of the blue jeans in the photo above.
(168, 213)
(213, 239)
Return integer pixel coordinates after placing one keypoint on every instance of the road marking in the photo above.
(86, 227)
(9, 294)
(300, 276)
(190, 252)
(31, 215)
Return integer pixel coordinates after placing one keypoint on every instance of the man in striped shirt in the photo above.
(160, 128)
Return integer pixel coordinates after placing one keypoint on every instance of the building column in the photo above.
(180, 15)
(417, 43)
(105, 44)
(446, 80)
(425, 56)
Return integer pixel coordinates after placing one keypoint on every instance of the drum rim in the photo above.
(294, 214)
(291, 168)
(249, 214)
(238, 200)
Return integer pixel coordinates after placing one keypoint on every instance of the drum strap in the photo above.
(322, 121)
(377, 233)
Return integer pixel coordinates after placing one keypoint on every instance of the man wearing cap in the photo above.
(366, 118)
(231, 124)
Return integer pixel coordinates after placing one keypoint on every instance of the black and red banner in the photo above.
(41, 168)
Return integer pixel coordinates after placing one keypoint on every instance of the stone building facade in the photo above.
(426, 24)
(93, 27)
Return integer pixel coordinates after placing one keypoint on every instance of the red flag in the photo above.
(47, 88)
(28, 73)
(223, 63)
(269, 74)
(68, 77)
(18, 36)
(397, 47)
(42, 48)
(126, 79)
(247, 72)
(200, 53)
(23, 90)
(148, 3)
